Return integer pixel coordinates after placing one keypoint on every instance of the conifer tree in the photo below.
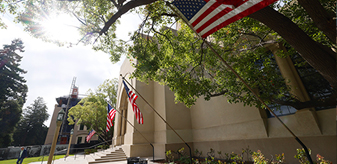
(13, 90)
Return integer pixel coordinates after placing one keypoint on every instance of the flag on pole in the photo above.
(132, 98)
(209, 16)
(91, 133)
(110, 116)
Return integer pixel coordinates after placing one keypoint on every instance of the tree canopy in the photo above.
(91, 111)
(305, 28)
(13, 90)
(30, 130)
(181, 60)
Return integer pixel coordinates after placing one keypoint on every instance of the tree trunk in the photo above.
(322, 19)
(320, 57)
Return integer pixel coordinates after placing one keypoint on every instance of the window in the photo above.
(79, 140)
(282, 111)
(81, 127)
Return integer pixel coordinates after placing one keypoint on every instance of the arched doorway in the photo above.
(122, 122)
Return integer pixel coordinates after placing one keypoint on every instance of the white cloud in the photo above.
(50, 69)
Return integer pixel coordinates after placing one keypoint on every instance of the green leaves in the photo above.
(92, 110)
(31, 130)
(13, 90)
(181, 61)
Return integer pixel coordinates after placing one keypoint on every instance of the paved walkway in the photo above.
(78, 160)
(71, 160)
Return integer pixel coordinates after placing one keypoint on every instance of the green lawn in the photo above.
(30, 159)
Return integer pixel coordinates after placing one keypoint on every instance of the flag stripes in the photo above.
(132, 98)
(91, 133)
(110, 116)
(208, 16)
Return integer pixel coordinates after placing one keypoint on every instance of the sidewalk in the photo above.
(79, 160)
(71, 160)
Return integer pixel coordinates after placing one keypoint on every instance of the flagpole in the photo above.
(135, 129)
(159, 116)
(238, 76)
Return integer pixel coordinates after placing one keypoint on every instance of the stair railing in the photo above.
(72, 149)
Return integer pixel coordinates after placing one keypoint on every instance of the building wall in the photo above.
(77, 132)
(81, 133)
(52, 126)
(218, 125)
(232, 127)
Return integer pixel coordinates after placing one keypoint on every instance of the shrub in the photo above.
(89, 151)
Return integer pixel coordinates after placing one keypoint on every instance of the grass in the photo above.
(30, 159)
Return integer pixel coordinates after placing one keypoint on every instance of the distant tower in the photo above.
(65, 102)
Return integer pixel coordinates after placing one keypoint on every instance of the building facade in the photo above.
(80, 131)
(218, 124)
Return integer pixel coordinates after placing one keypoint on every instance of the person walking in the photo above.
(23, 155)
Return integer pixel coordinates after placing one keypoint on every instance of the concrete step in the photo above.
(107, 160)
(113, 156)
(107, 157)
(104, 159)
(116, 162)
(89, 158)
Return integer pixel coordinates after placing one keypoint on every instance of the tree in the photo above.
(92, 110)
(30, 130)
(180, 60)
(8, 6)
(99, 18)
(305, 28)
(13, 90)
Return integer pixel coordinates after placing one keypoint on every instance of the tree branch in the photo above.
(219, 94)
(259, 45)
(122, 10)
(320, 57)
(331, 101)
(322, 19)
(114, 2)
(169, 15)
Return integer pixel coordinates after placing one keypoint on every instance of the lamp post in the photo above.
(60, 117)
(71, 136)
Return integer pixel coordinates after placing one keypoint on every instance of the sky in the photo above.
(51, 69)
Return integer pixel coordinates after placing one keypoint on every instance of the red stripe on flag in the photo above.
(138, 114)
(110, 117)
(242, 14)
(203, 15)
(213, 19)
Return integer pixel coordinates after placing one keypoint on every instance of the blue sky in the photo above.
(50, 69)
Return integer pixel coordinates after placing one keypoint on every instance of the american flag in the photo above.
(208, 16)
(110, 116)
(132, 98)
(91, 133)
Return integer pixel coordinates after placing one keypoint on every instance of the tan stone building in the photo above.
(80, 131)
(219, 125)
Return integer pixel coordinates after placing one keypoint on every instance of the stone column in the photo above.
(307, 118)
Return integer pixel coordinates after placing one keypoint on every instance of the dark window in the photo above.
(281, 111)
(81, 127)
(79, 140)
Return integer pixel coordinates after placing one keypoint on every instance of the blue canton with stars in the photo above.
(189, 7)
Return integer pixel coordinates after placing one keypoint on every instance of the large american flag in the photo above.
(91, 133)
(110, 116)
(132, 98)
(208, 16)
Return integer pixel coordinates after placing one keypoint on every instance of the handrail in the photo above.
(90, 147)
(136, 130)
(72, 149)
(93, 145)
(53, 155)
